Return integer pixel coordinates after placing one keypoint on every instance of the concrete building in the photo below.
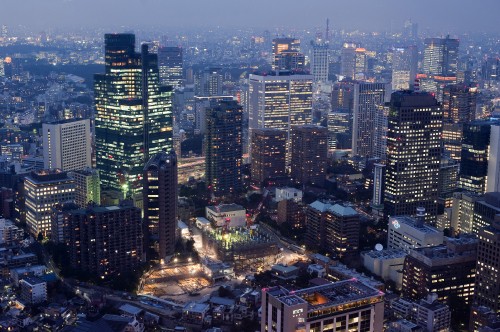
(67, 145)
(448, 181)
(428, 313)
(87, 186)
(493, 182)
(407, 233)
(447, 270)
(287, 193)
(42, 190)
(309, 154)
(342, 225)
(344, 305)
(387, 264)
(485, 211)
(319, 62)
(292, 213)
(33, 290)
(268, 154)
(462, 212)
(201, 104)
(230, 215)
(404, 67)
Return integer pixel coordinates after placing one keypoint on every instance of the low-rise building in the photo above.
(287, 193)
(387, 264)
(33, 290)
(429, 313)
(284, 272)
(232, 215)
(195, 313)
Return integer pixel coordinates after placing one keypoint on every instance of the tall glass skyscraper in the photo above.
(133, 115)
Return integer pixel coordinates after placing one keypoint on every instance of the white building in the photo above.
(387, 264)
(87, 186)
(233, 215)
(33, 290)
(67, 145)
(407, 233)
(23, 272)
(284, 194)
(319, 62)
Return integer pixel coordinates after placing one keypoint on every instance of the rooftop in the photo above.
(412, 222)
(386, 254)
(226, 208)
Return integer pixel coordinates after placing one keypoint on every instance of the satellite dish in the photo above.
(379, 247)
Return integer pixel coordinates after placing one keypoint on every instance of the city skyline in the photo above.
(384, 15)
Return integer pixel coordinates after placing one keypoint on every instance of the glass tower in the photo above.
(133, 114)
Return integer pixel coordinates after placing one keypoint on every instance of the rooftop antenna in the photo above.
(327, 35)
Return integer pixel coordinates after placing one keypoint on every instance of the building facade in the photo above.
(268, 154)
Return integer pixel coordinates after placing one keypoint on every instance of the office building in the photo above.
(459, 103)
(474, 156)
(309, 154)
(160, 204)
(440, 56)
(493, 175)
(42, 190)
(387, 264)
(348, 60)
(133, 115)
(87, 186)
(428, 313)
(368, 97)
(485, 210)
(378, 189)
(483, 319)
(347, 305)
(291, 212)
(448, 270)
(487, 288)
(380, 132)
(208, 82)
(287, 55)
(339, 129)
(404, 68)
(170, 66)
(200, 110)
(105, 241)
(448, 181)
(224, 148)
(462, 212)
(280, 102)
(268, 153)
(407, 233)
(452, 140)
(67, 145)
(227, 215)
(413, 154)
(319, 62)
(315, 222)
(342, 226)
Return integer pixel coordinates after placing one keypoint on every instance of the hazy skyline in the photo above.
(366, 15)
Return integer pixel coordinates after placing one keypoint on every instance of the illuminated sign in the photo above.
(396, 224)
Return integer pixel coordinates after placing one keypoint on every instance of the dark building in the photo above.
(160, 203)
(485, 210)
(413, 154)
(291, 213)
(268, 154)
(447, 270)
(105, 241)
(441, 56)
(342, 231)
(133, 115)
(474, 156)
(459, 103)
(170, 65)
(309, 154)
(224, 148)
(487, 288)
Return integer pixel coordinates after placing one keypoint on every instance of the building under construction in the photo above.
(243, 247)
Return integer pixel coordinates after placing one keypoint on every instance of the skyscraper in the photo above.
(474, 156)
(133, 115)
(67, 145)
(404, 67)
(87, 186)
(319, 62)
(287, 55)
(208, 82)
(441, 56)
(459, 103)
(493, 183)
(309, 154)
(268, 154)
(413, 154)
(160, 203)
(368, 97)
(170, 66)
(280, 102)
(224, 148)
(348, 60)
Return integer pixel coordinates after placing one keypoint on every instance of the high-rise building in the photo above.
(105, 241)
(459, 103)
(319, 62)
(452, 140)
(440, 56)
(493, 183)
(378, 187)
(339, 129)
(487, 288)
(67, 145)
(280, 102)
(133, 115)
(208, 82)
(485, 210)
(447, 270)
(268, 154)
(160, 203)
(380, 132)
(42, 190)
(342, 226)
(368, 97)
(404, 68)
(474, 156)
(448, 181)
(87, 186)
(347, 305)
(348, 60)
(410, 30)
(170, 66)
(429, 313)
(200, 110)
(287, 55)
(462, 212)
(309, 154)
(413, 154)
(224, 148)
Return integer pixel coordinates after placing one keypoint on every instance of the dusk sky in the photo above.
(366, 15)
